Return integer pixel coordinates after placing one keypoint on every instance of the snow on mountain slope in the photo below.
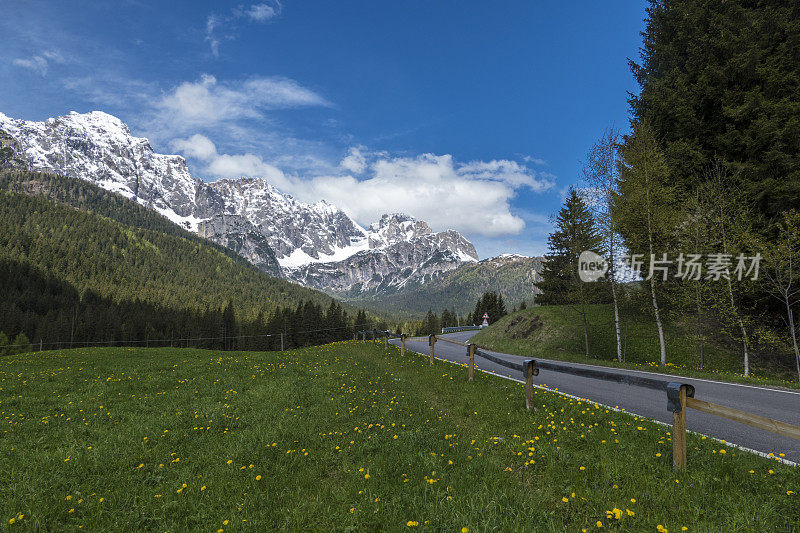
(316, 244)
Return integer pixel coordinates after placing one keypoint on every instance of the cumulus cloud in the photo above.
(39, 63)
(207, 102)
(474, 198)
(197, 146)
(230, 166)
(354, 161)
(471, 197)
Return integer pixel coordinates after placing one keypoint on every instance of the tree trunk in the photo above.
(658, 322)
(612, 275)
(794, 338)
(741, 328)
(616, 322)
(655, 305)
(585, 328)
(653, 280)
(700, 338)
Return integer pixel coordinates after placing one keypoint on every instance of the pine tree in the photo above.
(21, 344)
(575, 232)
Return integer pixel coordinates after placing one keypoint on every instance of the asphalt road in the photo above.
(773, 403)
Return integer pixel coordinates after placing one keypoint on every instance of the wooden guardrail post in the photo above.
(471, 351)
(402, 345)
(386, 341)
(676, 402)
(432, 341)
(530, 371)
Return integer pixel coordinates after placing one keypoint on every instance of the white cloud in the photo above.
(262, 12)
(234, 166)
(217, 24)
(207, 102)
(474, 198)
(39, 63)
(505, 171)
(534, 160)
(230, 166)
(354, 161)
(197, 146)
(211, 23)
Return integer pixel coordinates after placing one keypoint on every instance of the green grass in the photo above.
(346, 437)
(556, 332)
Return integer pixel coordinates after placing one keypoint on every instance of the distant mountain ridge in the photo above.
(314, 244)
(511, 275)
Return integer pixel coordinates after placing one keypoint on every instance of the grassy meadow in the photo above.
(346, 437)
(556, 332)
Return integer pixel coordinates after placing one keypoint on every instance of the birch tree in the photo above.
(646, 208)
(731, 222)
(782, 271)
(601, 174)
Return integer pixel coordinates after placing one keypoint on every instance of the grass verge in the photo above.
(555, 332)
(346, 437)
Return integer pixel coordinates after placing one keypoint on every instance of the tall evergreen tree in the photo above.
(720, 80)
(575, 232)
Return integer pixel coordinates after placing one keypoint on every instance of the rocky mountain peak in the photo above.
(317, 244)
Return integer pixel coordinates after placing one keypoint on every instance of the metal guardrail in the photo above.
(680, 396)
(454, 329)
(499, 361)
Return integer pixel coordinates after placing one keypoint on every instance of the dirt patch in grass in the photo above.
(523, 327)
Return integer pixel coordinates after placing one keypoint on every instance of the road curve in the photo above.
(783, 405)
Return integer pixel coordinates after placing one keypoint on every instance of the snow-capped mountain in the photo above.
(315, 244)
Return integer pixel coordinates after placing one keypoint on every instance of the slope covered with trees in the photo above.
(117, 272)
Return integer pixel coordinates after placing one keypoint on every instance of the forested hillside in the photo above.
(88, 197)
(119, 272)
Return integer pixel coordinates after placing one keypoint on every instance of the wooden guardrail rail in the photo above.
(680, 396)
(743, 417)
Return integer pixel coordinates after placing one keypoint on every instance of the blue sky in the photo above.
(472, 115)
